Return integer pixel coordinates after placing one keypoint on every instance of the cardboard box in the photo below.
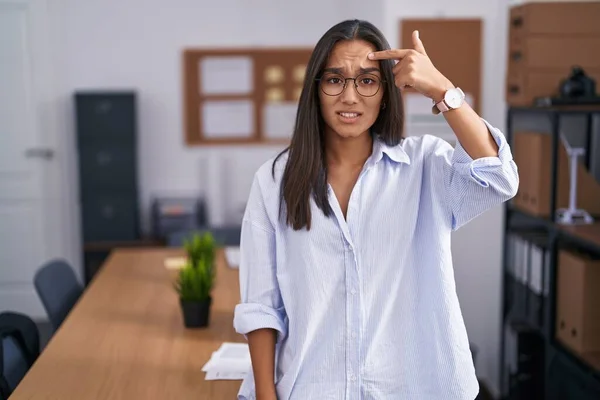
(554, 53)
(555, 18)
(546, 40)
(522, 88)
(578, 302)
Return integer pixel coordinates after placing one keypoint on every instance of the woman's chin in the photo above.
(350, 132)
(346, 131)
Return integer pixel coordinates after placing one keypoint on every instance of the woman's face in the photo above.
(346, 112)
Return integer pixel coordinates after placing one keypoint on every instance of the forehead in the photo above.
(351, 55)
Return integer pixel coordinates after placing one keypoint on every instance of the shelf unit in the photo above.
(532, 314)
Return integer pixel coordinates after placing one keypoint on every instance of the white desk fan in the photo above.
(573, 215)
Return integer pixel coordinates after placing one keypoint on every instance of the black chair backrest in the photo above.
(14, 362)
(4, 386)
(19, 348)
(224, 235)
(58, 289)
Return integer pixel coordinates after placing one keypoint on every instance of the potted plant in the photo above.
(196, 279)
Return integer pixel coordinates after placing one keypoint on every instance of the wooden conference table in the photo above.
(125, 338)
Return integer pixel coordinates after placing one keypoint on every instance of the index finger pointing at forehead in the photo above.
(392, 54)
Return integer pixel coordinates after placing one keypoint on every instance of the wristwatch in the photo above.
(453, 98)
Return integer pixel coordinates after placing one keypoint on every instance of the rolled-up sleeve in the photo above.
(474, 186)
(261, 305)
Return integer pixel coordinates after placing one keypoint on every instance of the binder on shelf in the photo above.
(528, 267)
(524, 362)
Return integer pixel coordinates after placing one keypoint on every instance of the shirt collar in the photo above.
(394, 153)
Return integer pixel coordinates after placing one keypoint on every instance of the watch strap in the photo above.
(440, 107)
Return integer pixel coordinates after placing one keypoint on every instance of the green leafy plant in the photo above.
(201, 247)
(196, 278)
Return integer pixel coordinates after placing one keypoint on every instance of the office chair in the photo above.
(19, 348)
(58, 289)
(14, 365)
(225, 236)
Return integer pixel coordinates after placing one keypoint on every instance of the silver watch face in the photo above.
(453, 98)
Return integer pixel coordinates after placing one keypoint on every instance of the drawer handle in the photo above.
(524, 377)
(40, 152)
(574, 332)
(514, 89)
(524, 358)
(103, 107)
(517, 22)
(103, 158)
(516, 55)
(108, 211)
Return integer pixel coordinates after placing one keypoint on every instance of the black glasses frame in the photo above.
(355, 85)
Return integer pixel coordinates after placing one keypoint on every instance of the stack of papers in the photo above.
(230, 362)
(175, 263)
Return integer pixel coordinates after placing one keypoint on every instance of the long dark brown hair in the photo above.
(305, 172)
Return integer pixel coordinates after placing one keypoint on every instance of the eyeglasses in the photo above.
(367, 85)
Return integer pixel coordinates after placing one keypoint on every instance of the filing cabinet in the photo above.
(103, 116)
(107, 153)
(546, 40)
(109, 217)
(107, 166)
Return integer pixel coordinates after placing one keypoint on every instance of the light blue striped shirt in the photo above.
(366, 307)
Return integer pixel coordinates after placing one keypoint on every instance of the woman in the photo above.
(347, 287)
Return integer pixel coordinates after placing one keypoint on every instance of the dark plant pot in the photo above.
(196, 314)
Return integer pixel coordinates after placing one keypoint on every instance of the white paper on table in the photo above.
(232, 255)
(225, 375)
(234, 351)
(217, 364)
(234, 118)
(230, 362)
(421, 121)
(226, 75)
(175, 262)
(279, 119)
(206, 366)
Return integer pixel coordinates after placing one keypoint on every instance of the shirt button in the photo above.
(353, 291)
